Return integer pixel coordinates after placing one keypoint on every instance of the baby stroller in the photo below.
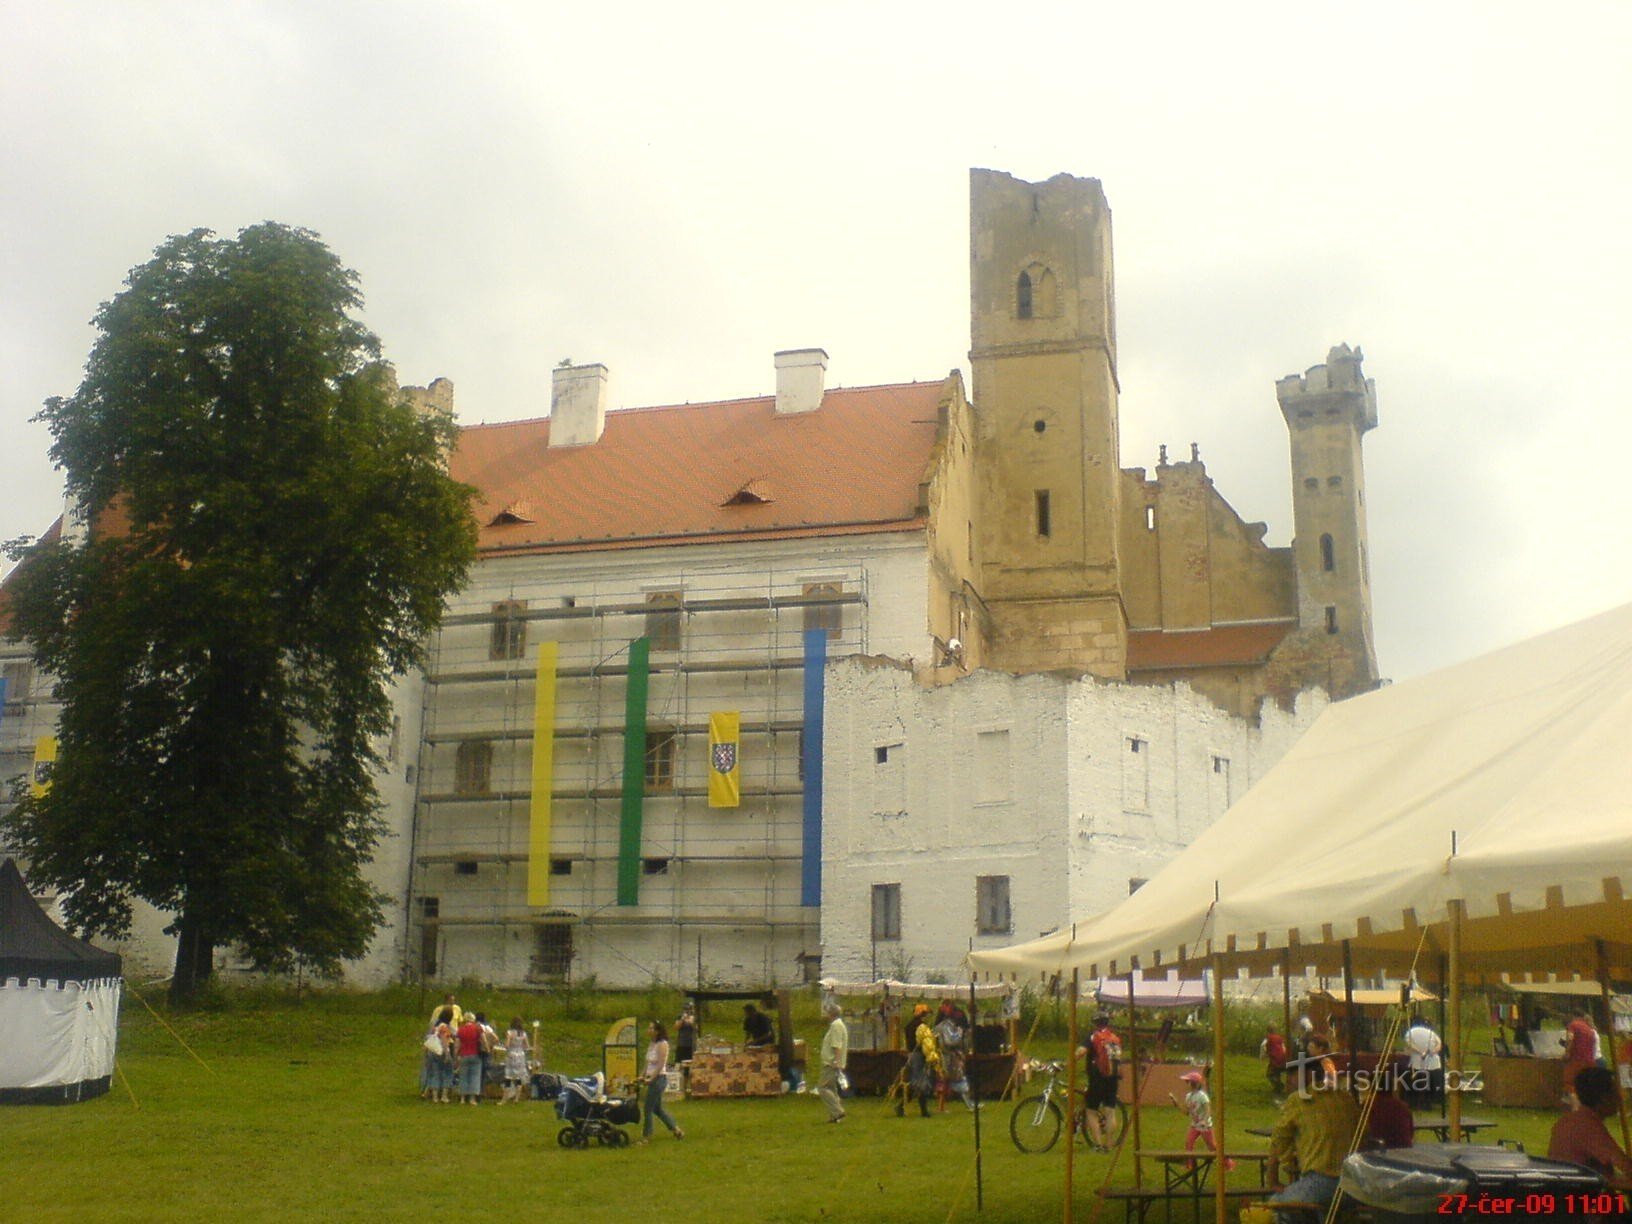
(590, 1114)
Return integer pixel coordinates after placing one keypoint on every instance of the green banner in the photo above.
(634, 772)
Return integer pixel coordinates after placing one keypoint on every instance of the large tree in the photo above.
(274, 533)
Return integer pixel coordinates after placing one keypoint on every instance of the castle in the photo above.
(943, 628)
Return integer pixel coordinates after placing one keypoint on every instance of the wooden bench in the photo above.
(1138, 1200)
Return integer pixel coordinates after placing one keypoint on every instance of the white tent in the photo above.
(1502, 785)
(59, 1005)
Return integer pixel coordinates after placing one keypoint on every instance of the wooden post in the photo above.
(1220, 1176)
(1286, 1000)
(974, 1095)
(1133, 1061)
(1453, 1063)
(1614, 1054)
(1071, 1100)
(1348, 1017)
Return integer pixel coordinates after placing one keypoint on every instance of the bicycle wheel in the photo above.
(1035, 1124)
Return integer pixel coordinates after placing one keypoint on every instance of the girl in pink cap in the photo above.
(1198, 1107)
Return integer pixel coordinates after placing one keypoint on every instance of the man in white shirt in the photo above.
(835, 1053)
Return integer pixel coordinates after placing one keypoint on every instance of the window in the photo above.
(1022, 294)
(663, 620)
(560, 866)
(1219, 795)
(509, 630)
(430, 907)
(829, 616)
(1044, 517)
(1150, 518)
(429, 910)
(1135, 883)
(1334, 482)
(654, 866)
(1331, 619)
(465, 867)
(473, 768)
(393, 746)
(19, 678)
(1328, 559)
(886, 911)
(552, 951)
(881, 754)
(1136, 774)
(992, 906)
(1312, 482)
(991, 766)
(660, 747)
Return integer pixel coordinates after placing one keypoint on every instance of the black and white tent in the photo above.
(59, 1005)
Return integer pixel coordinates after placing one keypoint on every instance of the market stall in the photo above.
(873, 1014)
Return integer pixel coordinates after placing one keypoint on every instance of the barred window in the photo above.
(473, 768)
(992, 915)
(509, 630)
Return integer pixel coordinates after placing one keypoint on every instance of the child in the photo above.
(516, 1049)
(1198, 1107)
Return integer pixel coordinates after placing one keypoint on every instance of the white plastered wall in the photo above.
(1073, 827)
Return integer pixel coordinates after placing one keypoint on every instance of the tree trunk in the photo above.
(195, 962)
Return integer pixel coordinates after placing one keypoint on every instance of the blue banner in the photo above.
(810, 874)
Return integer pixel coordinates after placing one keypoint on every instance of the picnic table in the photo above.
(1187, 1171)
(1441, 1127)
(1184, 1181)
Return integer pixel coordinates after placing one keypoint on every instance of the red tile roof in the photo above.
(1220, 646)
(670, 475)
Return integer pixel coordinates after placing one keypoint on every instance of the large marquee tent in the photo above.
(1476, 821)
(59, 1005)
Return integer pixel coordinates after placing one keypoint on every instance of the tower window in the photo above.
(465, 867)
(1334, 482)
(1328, 561)
(1150, 518)
(1044, 517)
(1312, 482)
(992, 914)
(887, 911)
(1023, 296)
(1331, 619)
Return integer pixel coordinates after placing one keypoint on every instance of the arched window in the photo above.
(1328, 560)
(1023, 296)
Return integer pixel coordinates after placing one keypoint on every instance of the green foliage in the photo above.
(275, 536)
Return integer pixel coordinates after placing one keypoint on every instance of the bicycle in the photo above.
(1036, 1121)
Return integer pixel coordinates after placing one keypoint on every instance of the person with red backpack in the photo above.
(1102, 1053)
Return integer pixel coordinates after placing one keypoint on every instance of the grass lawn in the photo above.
(310, 1111)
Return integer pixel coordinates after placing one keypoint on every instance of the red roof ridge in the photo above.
(723, 403)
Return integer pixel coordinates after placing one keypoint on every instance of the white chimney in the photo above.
(577, 405)
(800, 374)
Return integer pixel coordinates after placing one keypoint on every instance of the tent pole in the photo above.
(1220, 1198)
(1071, 1100)
(974, 1095)
(1348, 1018)
(1286, 1001)
(1133, 1060)
(1614, 1056)
(1453, 1070)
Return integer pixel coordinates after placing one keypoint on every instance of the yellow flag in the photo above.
(724, 759)
(45, 760)
(539, 816)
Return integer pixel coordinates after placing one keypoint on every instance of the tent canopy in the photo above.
(32, 946)
(1503, 784)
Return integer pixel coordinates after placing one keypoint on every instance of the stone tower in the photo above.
(1328, 409)
(1048, 487)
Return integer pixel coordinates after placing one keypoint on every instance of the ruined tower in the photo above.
(1048, 487)
(1328, 409)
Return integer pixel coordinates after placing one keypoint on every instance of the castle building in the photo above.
(717, 663)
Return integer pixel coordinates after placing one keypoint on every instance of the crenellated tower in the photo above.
(1048, 495)
(1328, 410)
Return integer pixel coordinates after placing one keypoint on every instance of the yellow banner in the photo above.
(538, 832)
(724, 759)
(45, 760)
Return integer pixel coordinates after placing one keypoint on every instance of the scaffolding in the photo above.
(719, 888)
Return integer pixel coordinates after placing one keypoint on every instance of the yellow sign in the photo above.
(45, 760)
(620, 1055)
(724, 759)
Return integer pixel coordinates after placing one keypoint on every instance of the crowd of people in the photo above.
(463, 1054)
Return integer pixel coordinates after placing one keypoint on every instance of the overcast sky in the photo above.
(679, 191)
